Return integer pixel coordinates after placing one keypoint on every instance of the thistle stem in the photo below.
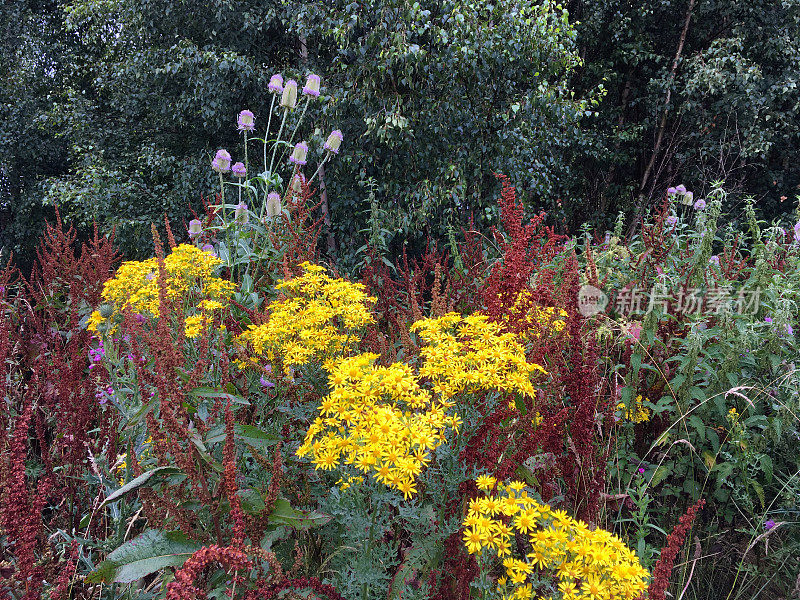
(266, 133)
(324, 160)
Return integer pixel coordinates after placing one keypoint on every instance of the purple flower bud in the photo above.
(334, 141)
(240, 214)
(797, 231)
(769, 524)
(246, 121)
(768, 319)
(289, 97)
(275, 84)
(672, 191)
(273, 204)
(641, 470)
(209, 248)
(297, 183)
(195, 228)
(681, 189)
(700, 204)
(221, 162)
(671, 220)
(789, 329)
(299, 154)
(714, 260)
(238, 170)
(312, 86)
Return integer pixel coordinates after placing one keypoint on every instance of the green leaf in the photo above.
(152, 551)
(284, 514)
(207, 392)
(247, 433)
(143, 479)
(698, 425)
(659, 475)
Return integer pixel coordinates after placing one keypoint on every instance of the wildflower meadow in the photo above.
(224, 404)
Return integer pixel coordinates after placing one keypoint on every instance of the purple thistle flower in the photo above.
(289, 96)
(700, 204)
(209, 248)
(275, 84)
(221, 162)
(299, 154)
(195, 228)
(769, 524)
(246, 121)
(238, 170)
(312, 86)
(671, 191)
(334, 141)
(681, 189)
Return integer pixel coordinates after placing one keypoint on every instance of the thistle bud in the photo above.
(221, 162)
(238, 170)
(299, 153)
(297, 184)
(195, 228)
(681, 189)
(106, 310)
(273, 204)
(334, 141)
(671, 191)
(246, 121)
(275, 84)
(289, 97)
(312, 86)
(241, 215)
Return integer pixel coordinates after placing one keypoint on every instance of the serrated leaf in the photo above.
(659, 475)
(152, 551)
(143, 479)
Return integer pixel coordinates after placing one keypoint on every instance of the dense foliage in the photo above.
(271, 334)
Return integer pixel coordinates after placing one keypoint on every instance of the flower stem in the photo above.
(266, 133)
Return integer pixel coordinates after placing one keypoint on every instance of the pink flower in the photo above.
(246, 121)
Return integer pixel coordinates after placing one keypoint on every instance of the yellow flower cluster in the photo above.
(379, 420)
(189, 270)
(588, 564)
(382, 421)
(470, 353)
(638, 413)
(539, 319)
(320, 318)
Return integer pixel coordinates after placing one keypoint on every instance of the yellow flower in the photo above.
(319, 319)
(638, 413)
(485, 482)
(587, 564)
(188, 274)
